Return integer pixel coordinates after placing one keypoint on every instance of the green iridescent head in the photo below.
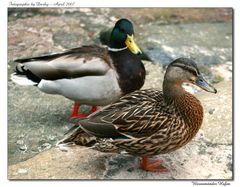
(123, 36)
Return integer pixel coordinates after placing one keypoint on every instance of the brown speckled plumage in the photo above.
(147, 122)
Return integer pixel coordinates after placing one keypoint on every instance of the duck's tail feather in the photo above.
(77, 136)
(22, 80)
(24, 77)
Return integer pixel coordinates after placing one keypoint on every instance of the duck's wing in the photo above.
(77, 62)
(138, 114)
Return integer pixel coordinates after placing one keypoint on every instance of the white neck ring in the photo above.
(116, 50)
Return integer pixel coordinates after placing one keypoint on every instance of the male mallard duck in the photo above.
(105, 36)
(90, 75)
(147, 122)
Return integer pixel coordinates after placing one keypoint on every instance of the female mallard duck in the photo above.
(147, 122)
(90, 75)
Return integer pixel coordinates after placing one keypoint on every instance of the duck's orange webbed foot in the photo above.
(75, 113)
(152, 165)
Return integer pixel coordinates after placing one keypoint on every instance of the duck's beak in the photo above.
(202, 83)
(132, 46)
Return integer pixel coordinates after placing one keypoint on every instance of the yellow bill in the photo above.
(132, 46)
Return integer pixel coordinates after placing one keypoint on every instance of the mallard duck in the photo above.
(105, 36)
(147, 122)
(91, 75)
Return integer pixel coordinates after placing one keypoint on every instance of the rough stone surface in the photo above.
(76, 163)
(218, 125)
